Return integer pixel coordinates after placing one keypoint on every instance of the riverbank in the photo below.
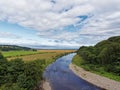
(46, 86)
(45, 83)
(60, 77)
(97, 80)
(23, 78)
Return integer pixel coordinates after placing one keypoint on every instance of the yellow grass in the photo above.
(45, 54)
(58, 51)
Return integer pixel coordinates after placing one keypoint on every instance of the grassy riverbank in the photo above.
(17, 74)
(77, 60)
(102, 59)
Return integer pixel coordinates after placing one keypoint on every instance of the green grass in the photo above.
(31, 76)
(108, 75)
(35, 55)
(77, 60)
(18, 53)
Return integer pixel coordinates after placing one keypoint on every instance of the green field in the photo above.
(34, 55)
(18, 53)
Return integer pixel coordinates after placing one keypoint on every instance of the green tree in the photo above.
(3, 69)
(31, 75)
(15, 68)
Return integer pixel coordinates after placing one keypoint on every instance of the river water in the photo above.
(61, 77)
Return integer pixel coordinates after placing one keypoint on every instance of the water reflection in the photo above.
(61, 77)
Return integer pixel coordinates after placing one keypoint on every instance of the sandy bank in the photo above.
(46, 86)
(97, 80)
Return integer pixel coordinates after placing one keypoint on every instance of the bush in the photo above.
(105, 54)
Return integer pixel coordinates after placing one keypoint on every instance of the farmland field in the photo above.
(18, 53)
(34, 55)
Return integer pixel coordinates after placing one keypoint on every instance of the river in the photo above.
(61, 77)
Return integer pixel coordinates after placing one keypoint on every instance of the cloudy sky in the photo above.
(58, 24)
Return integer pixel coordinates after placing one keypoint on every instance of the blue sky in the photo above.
(16, 29)
(57, 23)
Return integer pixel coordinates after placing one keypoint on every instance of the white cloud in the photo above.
(42, 14)
(39, 43)
(8, 35)
(49, 18)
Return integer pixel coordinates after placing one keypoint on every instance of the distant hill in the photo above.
(13, 47)
(105, 54)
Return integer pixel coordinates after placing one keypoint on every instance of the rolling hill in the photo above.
(13, 48)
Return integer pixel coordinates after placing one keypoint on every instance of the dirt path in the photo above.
(97, 80)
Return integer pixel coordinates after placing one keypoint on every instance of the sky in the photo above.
(58, 24)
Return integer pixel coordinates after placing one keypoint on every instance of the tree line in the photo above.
(105, 55)
(14, 47)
